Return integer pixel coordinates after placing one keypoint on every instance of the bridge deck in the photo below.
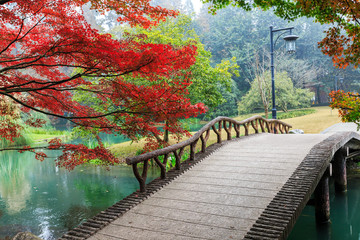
(222, 196)
(341, 127)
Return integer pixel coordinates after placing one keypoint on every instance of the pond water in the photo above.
(47, 201)
(344, 216)
(110, 139)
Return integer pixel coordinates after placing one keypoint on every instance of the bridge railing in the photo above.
(255, 124)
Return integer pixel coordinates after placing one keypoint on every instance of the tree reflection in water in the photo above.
(15, 190)
(48, 201)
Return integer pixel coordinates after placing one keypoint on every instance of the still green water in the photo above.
(47, 201)
(344, 216)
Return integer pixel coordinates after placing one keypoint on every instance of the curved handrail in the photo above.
(271, 125)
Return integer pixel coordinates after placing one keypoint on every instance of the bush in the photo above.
(287, 96)
(295, 113)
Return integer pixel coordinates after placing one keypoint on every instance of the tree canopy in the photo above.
(48, 51)
(348, 104)
(342, 40)
(207, 81)
(259, 95)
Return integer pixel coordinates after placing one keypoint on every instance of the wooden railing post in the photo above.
(237, 130)
(217, 132)
(192, 150)
(141, 178)
(246, 127)
(204, 140)
(255, 126)
(162, 166)
(262, 125)
(228, 130)
(178, 156)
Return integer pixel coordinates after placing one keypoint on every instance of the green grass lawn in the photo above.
(317, 122)
(39, 136)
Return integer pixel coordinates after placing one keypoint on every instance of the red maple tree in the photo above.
(348, 104)
(48, 52)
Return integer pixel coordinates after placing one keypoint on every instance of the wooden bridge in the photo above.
(248, 187)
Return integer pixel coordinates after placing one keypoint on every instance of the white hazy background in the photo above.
(197, 5)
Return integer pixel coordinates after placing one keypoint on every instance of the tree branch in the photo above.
(70, 118)
(23, 149)
(352, 13)
(2, 2)
(16, 38)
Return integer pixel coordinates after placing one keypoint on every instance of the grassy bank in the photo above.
(38, 136)
(316, 120)
(44, 134)
(34, 136)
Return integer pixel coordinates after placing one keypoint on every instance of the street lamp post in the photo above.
(290, 47)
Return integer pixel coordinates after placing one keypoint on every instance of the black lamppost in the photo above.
(290, 48)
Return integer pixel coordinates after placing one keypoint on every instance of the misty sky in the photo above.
(197, 5)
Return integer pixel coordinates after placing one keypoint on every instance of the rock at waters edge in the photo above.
(25, 236)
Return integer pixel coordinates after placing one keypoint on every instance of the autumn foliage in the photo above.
(48, 53)
(348, 104)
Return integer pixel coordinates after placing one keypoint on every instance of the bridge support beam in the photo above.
(339, 171)
(322, 200)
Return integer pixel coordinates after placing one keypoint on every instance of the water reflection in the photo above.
(344, 215)
(75, 214)
(47, 201)
(14, 189)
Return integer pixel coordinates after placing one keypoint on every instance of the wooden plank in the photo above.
(217, 198)
(235, 223)
(230, 182)
(236, 190)
(241, 170)
(250, 163)
(244, 175)
(207, 208)
(170, 226)
(114, 232)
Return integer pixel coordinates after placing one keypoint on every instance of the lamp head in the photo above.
(290, 43)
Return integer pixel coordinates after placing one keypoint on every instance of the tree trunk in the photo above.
(266, 112)
(166, 133)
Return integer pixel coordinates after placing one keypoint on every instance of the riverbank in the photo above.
(42, 136)
(35, 137)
